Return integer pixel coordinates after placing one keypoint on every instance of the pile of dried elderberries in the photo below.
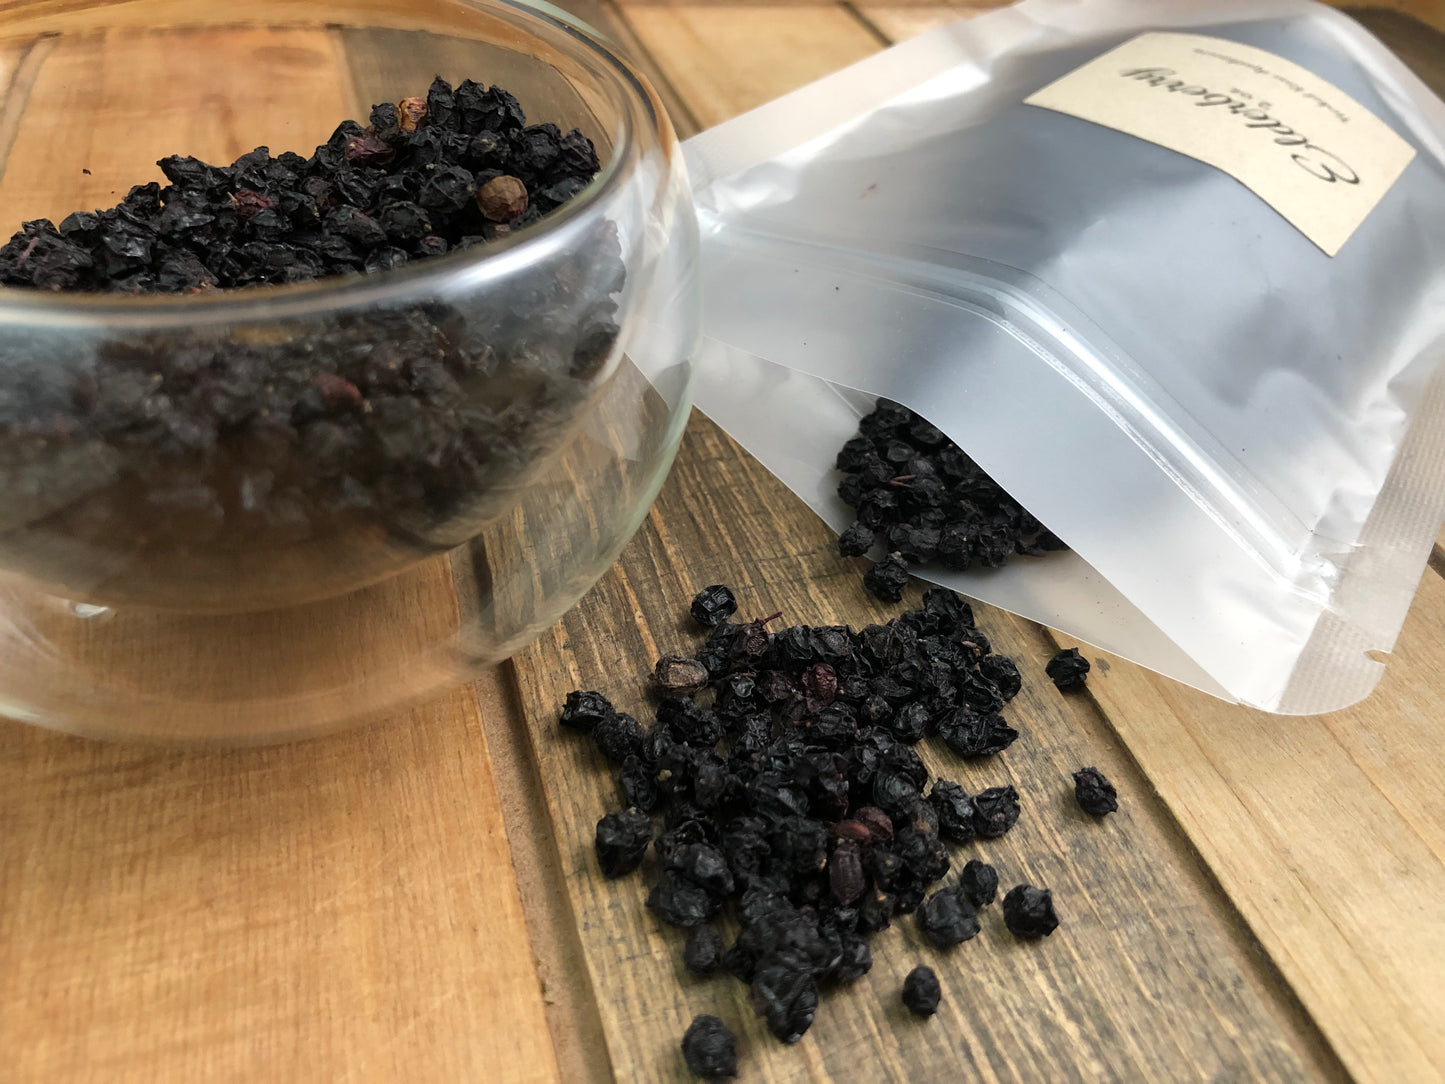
(794, 804)
(405, 419)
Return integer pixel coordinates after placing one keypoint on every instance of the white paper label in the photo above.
(1307, 149)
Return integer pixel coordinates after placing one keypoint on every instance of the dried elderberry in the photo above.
(978, 882)
(675, 673)
(1068, 669)
(702, 954)
(584, 710)
(995, 811)
(618, 736)
(713, 605)
(971, 734)
(710, 1049)
(887, 579)
(786, 997)
(955, 811)
(622, 839)
(947, 918)
(1094, 793)
(680, 902)
(1029, 912)
(921, 991)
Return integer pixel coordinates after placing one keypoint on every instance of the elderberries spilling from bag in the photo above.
(921, 500)
(420, 417)
(794, 801)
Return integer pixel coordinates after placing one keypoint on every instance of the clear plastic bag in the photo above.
(1239, 435)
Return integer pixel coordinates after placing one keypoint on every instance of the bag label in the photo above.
(1303, 146)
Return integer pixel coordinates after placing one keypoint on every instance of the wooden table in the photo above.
(417, 901)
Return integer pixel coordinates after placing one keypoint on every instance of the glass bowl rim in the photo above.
(467, 268)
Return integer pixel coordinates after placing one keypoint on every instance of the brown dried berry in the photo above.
(878, 823)
(678, 674)
(851, 830)
(502, 199)
(249, 203)
(368, 149)
(412, 112)
(337, 390)
(820, 683)
(845, 872)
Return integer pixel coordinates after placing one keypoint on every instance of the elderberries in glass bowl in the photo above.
(294, 440)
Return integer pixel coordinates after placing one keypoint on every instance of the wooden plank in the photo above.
(296, 101)
(1151, 977)
(727, 59)
(341, 909)
(344, 909)
(27, 18)
(1327, 832)
(903, 21)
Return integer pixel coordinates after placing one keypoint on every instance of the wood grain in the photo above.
(727, 59)
(161, 92)
(340, 910)
(1327, 833)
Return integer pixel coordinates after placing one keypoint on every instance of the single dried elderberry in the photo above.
(854, 961)
(713, 605)
(978, 882)
(584, 710)
(1068, 669)
(947, 918)
(995, 811)
(709, 1048)
(502, 199)
(674, 673)
(971, 734)
(702, 955)
(786, 997)
(1094, 793)
(955, 811)
(680, 902)
(1029, 912)
(618, 736)
(921, 991)
(622, 839)
(857, 540)
(887, 579)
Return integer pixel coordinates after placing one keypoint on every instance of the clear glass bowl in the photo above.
(266, 575)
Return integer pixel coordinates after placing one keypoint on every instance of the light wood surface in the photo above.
(418, 901)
